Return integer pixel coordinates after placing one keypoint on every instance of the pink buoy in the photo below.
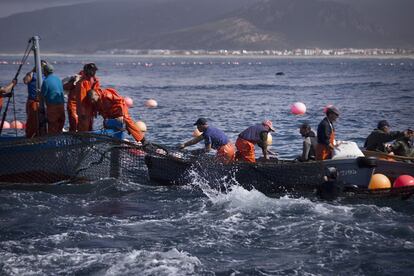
(129, 102)
(6, 125)
(404, 181)
(151, 103)
(298, 108)
(16, 124)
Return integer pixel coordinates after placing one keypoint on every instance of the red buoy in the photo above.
(404, 181)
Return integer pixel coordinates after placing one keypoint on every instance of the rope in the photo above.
(22, 62)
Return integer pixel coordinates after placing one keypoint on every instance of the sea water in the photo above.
(138, 229)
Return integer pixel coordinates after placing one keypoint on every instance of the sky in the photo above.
(9, 7)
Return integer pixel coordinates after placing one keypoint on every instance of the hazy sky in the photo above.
(9, 7)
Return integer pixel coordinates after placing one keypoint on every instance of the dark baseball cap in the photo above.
(383, 123)
(332, 109)
(201, 121)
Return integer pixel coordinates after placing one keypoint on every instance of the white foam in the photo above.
(141, 262)
(113, 262)
(236, 198)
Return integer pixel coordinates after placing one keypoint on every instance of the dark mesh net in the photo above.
(69, 157)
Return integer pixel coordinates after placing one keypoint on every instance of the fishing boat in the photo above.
(349, 177)
(48, 161)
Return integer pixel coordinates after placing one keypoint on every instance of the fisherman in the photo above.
(111, 106)
(69, 86)
(309, 143)
(381, 135)
(52, 91)
(404, 146)
(5, 90)
(80, 110)
(256, 134)
(213, 138)
(326, 134)
(32, 104)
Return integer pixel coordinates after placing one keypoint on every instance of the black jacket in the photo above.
(324, 131)
(376, 140)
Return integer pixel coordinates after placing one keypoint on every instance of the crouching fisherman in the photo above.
(111, 106)
(309, 143)
(213, 138)
(256, 134)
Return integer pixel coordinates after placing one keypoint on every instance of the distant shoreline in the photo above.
(244, 56)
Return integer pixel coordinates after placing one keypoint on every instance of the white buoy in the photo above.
(141, 126)
(129, 102)
(151, 103)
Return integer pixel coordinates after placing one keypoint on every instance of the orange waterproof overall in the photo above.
(226, 153)
(82, 112)
(32, 122)
(111, 106)
(245, 151)
(55, 118)
(324, 152)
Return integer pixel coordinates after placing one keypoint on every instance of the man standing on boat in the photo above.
(32, 104)
(309, 143)
(213, 138)
(52, 91)
(69, 86)
(110, 105)
(381, 135)
(4, 90)
(326, 134)
(80, 110)
(254, 135)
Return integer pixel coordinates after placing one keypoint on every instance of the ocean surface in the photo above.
(139, 229)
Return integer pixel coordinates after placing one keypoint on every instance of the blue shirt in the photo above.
(31, 87)
(52, 90)
(214, 137)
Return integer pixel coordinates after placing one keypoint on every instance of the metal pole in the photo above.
(39, 80)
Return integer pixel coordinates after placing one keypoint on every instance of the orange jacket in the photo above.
(82, 87)
(111, 105)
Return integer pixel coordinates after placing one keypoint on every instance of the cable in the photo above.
(23, 61)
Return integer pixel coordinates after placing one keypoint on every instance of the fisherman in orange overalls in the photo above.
(326, 134)
(52, 92)
(80, 109)
(110, 105)
(69, 85)
(32, 104)
(254, 135)
(213, 138)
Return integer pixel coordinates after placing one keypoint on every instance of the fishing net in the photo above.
(70, 157)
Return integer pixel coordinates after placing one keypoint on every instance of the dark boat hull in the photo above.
(278, 177)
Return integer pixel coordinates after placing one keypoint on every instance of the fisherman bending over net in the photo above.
(111, 106)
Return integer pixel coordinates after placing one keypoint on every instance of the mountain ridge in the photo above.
(209, 25)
